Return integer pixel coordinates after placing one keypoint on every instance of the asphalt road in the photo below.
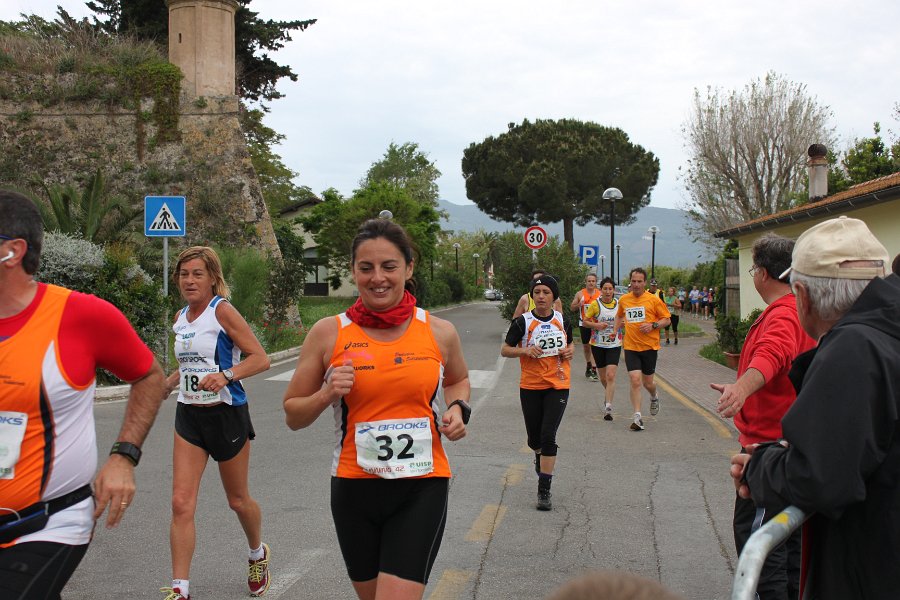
(656, 503)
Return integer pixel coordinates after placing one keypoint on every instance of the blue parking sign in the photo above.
(164, 216)
(588, 255)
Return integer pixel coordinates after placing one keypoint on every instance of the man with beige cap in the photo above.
(839, 459)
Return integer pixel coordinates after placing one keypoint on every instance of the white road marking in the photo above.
(284, 577)
(286, 376)
(481, 379)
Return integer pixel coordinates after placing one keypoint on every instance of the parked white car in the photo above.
(492, 294)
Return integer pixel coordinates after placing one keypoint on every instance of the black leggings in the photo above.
(674, 319)
(392, 526)
(543, 411)
(37, 570)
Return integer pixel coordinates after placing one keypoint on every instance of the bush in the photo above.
(127, 286)
(731, 330)
(247, 272)
(112, 274)
(69, 261)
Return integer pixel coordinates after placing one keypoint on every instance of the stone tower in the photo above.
(201, 44)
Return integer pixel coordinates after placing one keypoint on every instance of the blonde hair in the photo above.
(213, 266)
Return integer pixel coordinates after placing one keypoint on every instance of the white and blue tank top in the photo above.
(201, 347)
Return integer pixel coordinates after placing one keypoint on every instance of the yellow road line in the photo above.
(513, 475)
(451, 585)
(486, 523)
(717, 425)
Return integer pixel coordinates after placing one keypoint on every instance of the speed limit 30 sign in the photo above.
(535, 237)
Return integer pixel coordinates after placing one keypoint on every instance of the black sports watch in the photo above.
(464, 407)
(128, 450)
(229, 375)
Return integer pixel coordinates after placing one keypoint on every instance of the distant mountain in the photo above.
(673, 246)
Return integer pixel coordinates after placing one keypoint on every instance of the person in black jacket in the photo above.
(840, 456)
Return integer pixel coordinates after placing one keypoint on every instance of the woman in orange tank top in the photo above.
(385, 367)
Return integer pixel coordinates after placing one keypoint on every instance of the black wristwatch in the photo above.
(655, 325)
(466, 409)
(229, 375)
(128, 450)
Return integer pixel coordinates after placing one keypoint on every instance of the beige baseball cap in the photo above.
(822, 250)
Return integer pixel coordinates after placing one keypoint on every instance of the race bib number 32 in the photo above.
(395, 448)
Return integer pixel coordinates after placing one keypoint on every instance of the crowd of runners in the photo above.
(397, 383)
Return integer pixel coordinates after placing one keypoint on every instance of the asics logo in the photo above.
(356, 345)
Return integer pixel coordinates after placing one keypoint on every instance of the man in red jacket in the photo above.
(762, 394)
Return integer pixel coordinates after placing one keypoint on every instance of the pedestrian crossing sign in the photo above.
(164, 216)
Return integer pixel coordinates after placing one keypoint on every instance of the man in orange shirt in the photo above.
(52, 340)
(643, 315)
(581, 301)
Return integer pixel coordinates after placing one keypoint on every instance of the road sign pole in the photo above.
(165, 267)
(165, 278)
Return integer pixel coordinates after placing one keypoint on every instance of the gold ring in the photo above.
(124, 504)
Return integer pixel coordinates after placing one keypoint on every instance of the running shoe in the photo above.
(258, 574)
(607, 413)
(544, 502)
(637, 424)
(654, 406)
(173, 594)
(594, 376)
(667, 342)
(587, 372)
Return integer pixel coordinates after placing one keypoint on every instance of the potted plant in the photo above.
(729, 340)
(731, 331)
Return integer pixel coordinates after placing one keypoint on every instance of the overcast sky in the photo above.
(445, 74)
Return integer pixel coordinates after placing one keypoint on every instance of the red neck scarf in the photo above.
(391, 317)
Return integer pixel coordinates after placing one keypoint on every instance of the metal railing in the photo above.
(758, 547)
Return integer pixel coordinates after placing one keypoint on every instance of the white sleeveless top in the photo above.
(608, 338)
(203, 347)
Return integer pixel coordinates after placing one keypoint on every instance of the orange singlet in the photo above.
(544, 373)
(47, 424)
(387, 425)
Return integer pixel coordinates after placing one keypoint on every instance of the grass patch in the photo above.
(714, 353)
(313, 308)
(686, 327)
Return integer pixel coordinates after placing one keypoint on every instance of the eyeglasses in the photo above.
(753, 270)
(6, 237)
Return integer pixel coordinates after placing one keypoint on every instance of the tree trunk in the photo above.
(569, 232)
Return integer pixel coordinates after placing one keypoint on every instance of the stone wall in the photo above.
(206, 159)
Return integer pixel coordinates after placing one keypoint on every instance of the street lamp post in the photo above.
(603, 266)
(653, 231)
(618, 263)
(475, 256)
(456, 247)
(612, 194)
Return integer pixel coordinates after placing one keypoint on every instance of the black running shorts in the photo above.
(604, 357)
(644, 361)
(389, 526)
(221, 430)
(585, 334)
